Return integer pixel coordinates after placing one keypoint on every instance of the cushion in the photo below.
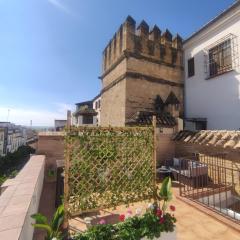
(176, 162)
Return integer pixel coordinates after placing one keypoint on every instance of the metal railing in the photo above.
(213, 181)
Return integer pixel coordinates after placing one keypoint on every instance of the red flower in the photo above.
(159, 213)
(161, 220)
(172, 208)
(122, 217)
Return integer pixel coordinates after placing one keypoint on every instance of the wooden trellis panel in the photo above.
(105, 167)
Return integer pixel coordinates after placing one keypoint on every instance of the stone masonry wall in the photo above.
(165, 148)
(52, 147)
(138, 65)
(113, 105)
(116, 73)
(140, 95)
(161, 71)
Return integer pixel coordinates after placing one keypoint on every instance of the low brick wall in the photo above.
(51, 144)
(165, 148)
(20, 199)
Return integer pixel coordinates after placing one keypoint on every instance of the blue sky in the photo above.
(50, 50)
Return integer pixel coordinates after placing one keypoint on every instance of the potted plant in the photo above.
(51, 174)
(54, 228)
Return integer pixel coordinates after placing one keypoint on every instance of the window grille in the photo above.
(221, 56)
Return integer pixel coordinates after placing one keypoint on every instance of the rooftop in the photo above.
(85, 111)
(89, 103)
(145, 118)
(220, 138)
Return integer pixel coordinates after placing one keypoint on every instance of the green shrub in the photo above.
(13, 162)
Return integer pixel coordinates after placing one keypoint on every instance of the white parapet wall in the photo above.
(20, 199)
(217, 199)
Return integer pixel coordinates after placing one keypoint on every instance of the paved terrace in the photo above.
(192, 223)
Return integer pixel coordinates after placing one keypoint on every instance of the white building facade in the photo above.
(212, 74)
(97, 108)
(85, 114)
(2, 141)
(11, 137)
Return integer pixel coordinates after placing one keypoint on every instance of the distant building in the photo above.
(12, 137)
(30, 135)
(2, 131)
(10, 141)
(212, 73)
(7, 145)
(17, 139)
(85, 114)
(59, 124)
(5, 138)
(97, 107)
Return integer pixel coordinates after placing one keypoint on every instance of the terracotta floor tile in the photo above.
(10, 234)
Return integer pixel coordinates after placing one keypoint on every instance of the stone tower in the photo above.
(139, 65)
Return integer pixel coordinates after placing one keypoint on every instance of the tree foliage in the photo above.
(13, 162)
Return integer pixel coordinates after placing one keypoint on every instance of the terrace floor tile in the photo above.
(11, 222)
(10, 234)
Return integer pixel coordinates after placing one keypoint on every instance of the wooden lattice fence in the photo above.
(105, 167)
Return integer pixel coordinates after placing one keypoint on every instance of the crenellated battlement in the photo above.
(140, 41)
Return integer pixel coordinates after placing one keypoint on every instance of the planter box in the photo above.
(166, 236)
(111, 219)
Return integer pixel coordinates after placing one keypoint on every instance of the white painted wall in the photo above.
(97, 109)
(217, 99)
(215, 199)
